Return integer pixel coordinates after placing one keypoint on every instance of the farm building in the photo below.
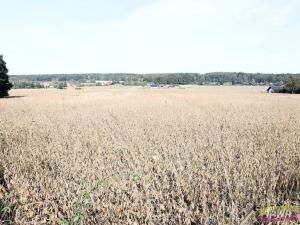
(153, 85)
(276, 88)
(104, 82)
(227, 84)
(47, 84)
(87, 84)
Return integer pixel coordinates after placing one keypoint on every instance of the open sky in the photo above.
(145, 36)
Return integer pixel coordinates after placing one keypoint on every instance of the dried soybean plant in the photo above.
(210, 155)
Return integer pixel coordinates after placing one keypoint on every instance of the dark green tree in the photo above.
(293, 85)
(61, 85)
(5, 85)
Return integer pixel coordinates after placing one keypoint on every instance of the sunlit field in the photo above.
(133, 155)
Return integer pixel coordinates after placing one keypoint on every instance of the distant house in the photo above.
(227, 84)
(104, 82)
(276, 88)
(47, 84)
(87, 84)
(153, 85)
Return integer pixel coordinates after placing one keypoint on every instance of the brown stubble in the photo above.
(207, 155)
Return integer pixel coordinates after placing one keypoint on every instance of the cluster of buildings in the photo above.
(52, 84)
(154, 85)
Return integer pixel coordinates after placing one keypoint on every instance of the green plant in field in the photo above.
(85, 199)
(6, 209)
(136, 177)
(81, 204)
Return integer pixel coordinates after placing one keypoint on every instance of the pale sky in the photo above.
(146, 36)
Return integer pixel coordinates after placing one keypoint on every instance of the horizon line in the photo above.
(155, 73)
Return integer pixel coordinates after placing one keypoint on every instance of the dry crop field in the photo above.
(206, 155)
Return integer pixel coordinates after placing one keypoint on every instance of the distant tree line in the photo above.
(77, 77)
(27, 84)
(216, 78)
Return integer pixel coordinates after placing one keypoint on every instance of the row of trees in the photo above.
(217, 78)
